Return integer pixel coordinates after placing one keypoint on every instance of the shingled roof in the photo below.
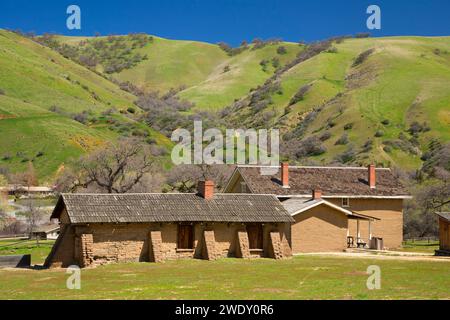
(444, 215)
(332, 181)
(141, 208)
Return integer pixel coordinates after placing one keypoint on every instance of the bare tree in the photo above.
(34, 216)
(3, 218)
(31, 176)
(118, 168)
(435, 197)
(184, 178)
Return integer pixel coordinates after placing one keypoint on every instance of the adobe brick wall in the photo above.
(99, 244)
(86, 251)
(390, 227)
(276, 250)
(321, 229)
(244, 247)
(62, 255)
(155, 246)
(210, 252)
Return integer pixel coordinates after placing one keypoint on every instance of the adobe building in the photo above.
(104, 228)
(444, 234)
(351, 207)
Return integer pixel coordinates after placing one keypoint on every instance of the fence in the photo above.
(423, 239)
(14, 236)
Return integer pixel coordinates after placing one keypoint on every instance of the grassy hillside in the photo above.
(211, 78)
(169, 63)
(360, 100)
(34, 80)
(221, 88)
(404, 80)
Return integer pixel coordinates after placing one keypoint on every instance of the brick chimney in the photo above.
(285, 174)
(372, 177)
(317, 194)
(206, 189)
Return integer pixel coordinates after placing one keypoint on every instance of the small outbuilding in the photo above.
(444, 234)
(104, 228)
(46, 232)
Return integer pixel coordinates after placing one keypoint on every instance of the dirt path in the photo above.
(390, 256)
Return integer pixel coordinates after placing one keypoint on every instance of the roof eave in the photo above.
(399, 197)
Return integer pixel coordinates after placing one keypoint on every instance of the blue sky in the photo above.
(230, 20)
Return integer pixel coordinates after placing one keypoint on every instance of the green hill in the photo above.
(169, 63)
(357, 101)
(34, 80)
(210, 77)
(403, 82)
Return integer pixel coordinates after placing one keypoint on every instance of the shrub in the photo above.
(40, 154)
(387, 149)
(275, 62)
(348, 126)
(379, 133)
(385, 122)
(6, 157)
(300, 95)
(311, 147)
(343, 140)
(368, 146)
(263, 64)
(332, 50)
(56, 109)
(226, 69)
(362, 35)
(81, 117)
(287, 110)
(224, 46)
(331, 123)
(325, 136)
(281, 50)
(417, 128)
(131, 110)
(347, 156)
(363, 57)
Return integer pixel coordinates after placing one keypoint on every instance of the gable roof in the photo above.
(46, 228)
(296, 206)
(145, 207)
(444, 215)
(332, 181)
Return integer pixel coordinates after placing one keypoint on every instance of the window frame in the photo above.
(345, 205)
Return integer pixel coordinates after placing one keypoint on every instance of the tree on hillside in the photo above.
(281, 50)
(184, 178)
(118, 168)
(31, 176)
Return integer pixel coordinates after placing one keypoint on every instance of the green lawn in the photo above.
(421, 246)
(18, 247)
(306, 277)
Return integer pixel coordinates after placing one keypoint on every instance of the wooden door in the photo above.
(185, 237)
(255, 236)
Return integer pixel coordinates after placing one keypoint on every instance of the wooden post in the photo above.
(358, 233)
(370, 230)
